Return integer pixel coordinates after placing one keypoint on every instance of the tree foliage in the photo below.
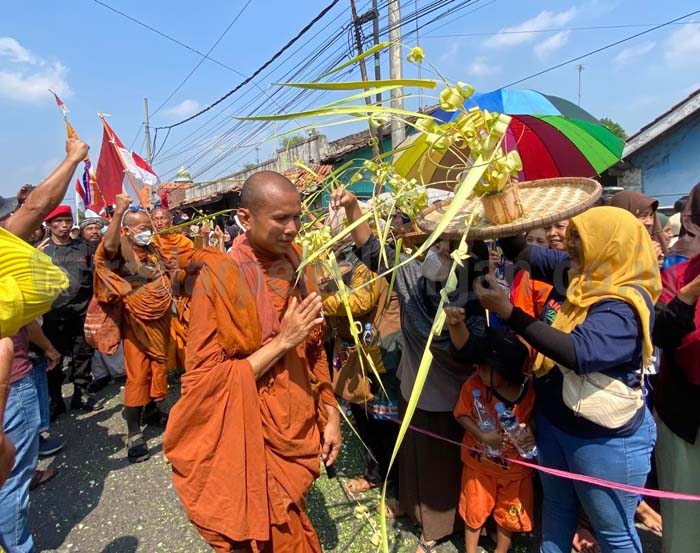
(614, 127)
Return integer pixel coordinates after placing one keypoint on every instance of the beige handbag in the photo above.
(601, 399)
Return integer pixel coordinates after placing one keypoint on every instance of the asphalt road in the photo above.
(100, 503)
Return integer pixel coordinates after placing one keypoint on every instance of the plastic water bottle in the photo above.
(516, 433)
(485, 422)
(369, 336)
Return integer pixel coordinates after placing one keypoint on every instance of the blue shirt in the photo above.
(609, 340)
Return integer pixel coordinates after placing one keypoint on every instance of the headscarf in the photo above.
(609, 269)
(688, 244)
(91, 221)
(675, 222)
(636, 203)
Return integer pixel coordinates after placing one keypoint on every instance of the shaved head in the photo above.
(161, 212)
(261, 189)
(162, 219)
(136, 218)
(270, 213)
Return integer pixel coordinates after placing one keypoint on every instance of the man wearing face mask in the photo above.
(63, 325)
(133, 274)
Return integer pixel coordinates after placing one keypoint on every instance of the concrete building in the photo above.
(662, 160)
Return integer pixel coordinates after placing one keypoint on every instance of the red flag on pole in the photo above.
(119, 169)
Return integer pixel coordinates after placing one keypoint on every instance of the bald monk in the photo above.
(257, 407)
(172, 244)
(132, 272)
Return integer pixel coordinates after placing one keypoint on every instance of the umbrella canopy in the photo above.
(554, 137)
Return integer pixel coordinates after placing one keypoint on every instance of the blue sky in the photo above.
(99, 61)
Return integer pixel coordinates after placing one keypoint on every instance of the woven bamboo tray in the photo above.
(544, 202)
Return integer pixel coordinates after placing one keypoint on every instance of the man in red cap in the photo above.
(63, 325)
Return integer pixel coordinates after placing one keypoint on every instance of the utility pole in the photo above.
(580, 69)
(420, 66)
(147, 130)
(398, 132)
(376, 137)
(377, 58)
(257, 154)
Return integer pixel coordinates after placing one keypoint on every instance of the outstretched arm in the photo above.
(46, 197)
(112, 237)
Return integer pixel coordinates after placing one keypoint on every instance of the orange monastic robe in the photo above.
(138, 279)
(173, 245)
(245, 453)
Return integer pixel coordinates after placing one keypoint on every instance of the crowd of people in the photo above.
(584, 333)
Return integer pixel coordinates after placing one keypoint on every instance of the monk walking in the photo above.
(172, 244)
(257, 407)
(132, 273)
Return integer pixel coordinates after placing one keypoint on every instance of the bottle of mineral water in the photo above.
(369, 336)
(516, 433)
(485, 422)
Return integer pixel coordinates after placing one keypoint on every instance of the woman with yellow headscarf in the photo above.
(591, 417)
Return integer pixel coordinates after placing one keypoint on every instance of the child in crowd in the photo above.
(492, 485)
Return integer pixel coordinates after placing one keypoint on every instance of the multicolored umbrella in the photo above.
(554, 137)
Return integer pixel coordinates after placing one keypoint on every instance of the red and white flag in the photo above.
(119, 170)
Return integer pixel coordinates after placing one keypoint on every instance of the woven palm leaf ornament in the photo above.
(464, 155)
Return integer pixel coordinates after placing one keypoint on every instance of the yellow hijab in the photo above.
(618, 259)
(29, 283)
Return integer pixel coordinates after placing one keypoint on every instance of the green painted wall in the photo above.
(364, 188)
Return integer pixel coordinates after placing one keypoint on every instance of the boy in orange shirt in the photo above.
(492, 485)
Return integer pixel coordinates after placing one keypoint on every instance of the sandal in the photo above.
(426, 546)
(42, 477)
(137, 448)
(360, 485)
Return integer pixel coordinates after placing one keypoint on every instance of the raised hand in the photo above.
(76, 150)
(122, 201)
(342, 197)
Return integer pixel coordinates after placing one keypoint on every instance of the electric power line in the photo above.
(533, 31)
(602, 48)
(259, 70)
(204, 57)
(168, 37)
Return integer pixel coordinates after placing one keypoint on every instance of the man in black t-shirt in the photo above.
(63, 325)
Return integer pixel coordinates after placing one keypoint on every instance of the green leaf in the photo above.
(358, 111)
(378, 48)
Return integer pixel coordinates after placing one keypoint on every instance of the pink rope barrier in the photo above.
(566, 474)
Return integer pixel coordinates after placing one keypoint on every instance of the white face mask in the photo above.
(435, 267)
(143, 238)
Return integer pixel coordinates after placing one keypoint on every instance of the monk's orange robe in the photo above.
(245, 453)
(172, 245)
(139, 279)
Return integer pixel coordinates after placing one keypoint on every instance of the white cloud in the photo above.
(517, 34)
(683, 45)
(638, 50)
(25, 77)
(13, 50)
(183, 109)
(551, 44)
(481, 67)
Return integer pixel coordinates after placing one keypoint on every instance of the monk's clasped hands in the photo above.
(299, 319)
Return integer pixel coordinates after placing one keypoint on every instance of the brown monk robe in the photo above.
(172, 244)
(133, 273)
(257, 408)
